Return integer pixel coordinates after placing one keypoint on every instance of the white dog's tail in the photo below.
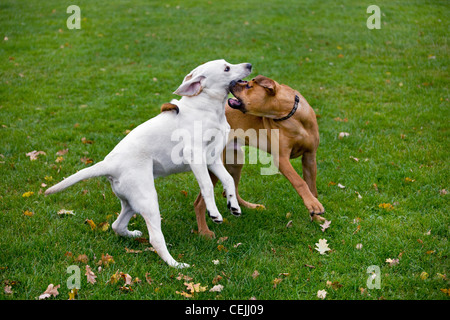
(94, 171)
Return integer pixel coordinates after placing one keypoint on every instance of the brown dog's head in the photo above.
(259, 97)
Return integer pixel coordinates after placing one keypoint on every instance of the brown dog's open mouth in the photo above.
(235, 103)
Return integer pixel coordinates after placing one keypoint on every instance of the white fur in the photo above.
(145, 153)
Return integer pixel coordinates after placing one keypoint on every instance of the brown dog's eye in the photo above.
(227, 68)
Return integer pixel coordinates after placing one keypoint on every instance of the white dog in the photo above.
(147, 153)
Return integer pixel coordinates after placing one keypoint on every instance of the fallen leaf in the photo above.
(59, 159)
(184, 277)
(34, 154)
(321, 294)
(86, 160)
(132, 250)
(64, 211)
(446, 291)
(184, 294)
(91, 224)
(195, 287)
(103, 226)
(216, 288)
(217, 279)
(106, 260)
(27, 194)
(343, 135)
(325, 225)
(90, 275)
(73, 293)
(237, 244)
(424, 275)
(289, 224)
(335, 285)
(222, 239)
(8, 290)
(386, 206)
(62, 152)
(392, 262)
(82, 258)
(255, 274)
(86, 141)
(276, 282)
(220, 247)
(148, 279)
(28, 213)
(51, 291)
(322, 246)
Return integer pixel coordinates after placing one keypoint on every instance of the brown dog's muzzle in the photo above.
(236, 87)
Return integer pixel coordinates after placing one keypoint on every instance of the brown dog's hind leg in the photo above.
(200, 210)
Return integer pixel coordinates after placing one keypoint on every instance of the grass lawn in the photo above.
(81, 90)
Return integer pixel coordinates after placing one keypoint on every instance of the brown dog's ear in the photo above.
(266, 83)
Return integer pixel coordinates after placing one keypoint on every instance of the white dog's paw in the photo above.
(217, 218)
(234, 208)
(181, 265)
(135, 234)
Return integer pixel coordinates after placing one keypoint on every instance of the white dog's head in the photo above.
(214, 77)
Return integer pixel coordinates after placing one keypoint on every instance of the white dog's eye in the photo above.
(227, 68)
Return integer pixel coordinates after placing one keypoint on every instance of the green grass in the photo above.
(60, 85)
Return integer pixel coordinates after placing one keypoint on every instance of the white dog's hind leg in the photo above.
(142, 197)
(120, 226)
(228, 185)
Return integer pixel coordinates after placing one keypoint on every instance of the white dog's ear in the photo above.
(191, 86)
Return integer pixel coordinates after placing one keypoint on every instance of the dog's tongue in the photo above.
(234, 103)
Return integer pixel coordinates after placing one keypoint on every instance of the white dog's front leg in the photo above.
(207, 190)
(228, 185)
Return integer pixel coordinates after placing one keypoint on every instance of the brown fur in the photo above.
(264, 100)
(169, 107)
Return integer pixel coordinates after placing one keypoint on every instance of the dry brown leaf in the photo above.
(276, 282)
(216, 288)
(62, 152)
(51, 291)
(34, 154)
(148, 279)
(90, 275)
(28, 213)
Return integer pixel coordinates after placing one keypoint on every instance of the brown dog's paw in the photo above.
(315, 209)
(207, 234)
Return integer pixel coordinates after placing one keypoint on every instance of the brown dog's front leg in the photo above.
(200, 210)
(313, 205)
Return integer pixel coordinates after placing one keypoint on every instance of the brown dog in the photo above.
(262, 103)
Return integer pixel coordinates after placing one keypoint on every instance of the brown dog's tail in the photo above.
(95, 171)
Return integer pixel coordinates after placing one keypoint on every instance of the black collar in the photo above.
(292, 111)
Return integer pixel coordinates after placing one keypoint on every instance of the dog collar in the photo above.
(297, 99)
